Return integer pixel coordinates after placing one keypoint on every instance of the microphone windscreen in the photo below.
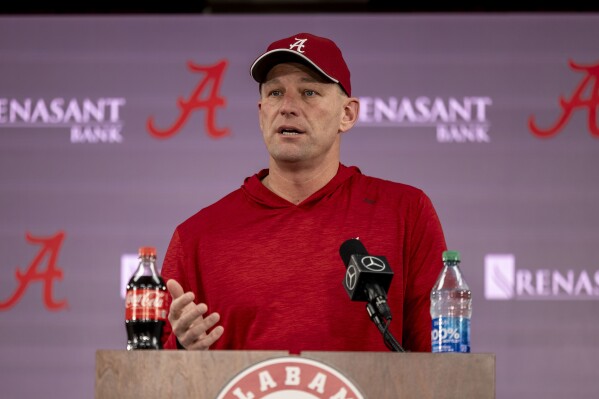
(350, 247)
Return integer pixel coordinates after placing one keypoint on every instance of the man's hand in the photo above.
(188, 321)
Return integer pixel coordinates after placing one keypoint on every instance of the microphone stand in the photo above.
(388, 338)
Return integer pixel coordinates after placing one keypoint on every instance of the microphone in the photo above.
(368, 277)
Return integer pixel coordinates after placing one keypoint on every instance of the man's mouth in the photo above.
(290, 131)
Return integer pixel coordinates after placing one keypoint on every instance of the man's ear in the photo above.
(351, 111)
(259, 115)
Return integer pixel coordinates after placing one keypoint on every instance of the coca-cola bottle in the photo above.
(145, 304)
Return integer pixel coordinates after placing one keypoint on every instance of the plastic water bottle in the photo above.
(451, 308)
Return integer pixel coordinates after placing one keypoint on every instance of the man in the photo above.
(265, 259)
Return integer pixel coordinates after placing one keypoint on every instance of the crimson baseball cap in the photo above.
(318, 52)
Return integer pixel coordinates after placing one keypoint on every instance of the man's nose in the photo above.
(289, 104)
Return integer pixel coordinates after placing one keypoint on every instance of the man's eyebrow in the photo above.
(310, 79)
(305, 79)
(270, 81)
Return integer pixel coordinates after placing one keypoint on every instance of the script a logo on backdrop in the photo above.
(50, 249)
(504, 282)
(209, 86)
(590, 84)
(290, 377)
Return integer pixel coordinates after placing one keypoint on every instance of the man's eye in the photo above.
(310, 93)
(274, 93)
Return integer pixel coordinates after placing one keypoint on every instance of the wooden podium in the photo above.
(378, 375)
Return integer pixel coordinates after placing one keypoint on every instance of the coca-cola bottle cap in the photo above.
(147, 251)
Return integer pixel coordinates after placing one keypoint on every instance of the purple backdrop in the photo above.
(494, 116)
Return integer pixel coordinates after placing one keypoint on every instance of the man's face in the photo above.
(302, 115)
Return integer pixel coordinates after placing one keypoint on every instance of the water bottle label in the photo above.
(451, 334)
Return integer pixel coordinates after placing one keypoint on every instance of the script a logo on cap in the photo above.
(298, 45)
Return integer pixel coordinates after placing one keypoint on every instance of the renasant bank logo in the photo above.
(88, 120)
(504, 282)
(456, 120)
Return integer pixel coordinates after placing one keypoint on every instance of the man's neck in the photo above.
(296, 184)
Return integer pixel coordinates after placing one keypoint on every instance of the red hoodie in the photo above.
(273, 271)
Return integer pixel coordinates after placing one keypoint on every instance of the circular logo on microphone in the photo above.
(373, 263)
(351, 277)
(290, 378)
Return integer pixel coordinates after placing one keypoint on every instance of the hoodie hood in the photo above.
(256, 192)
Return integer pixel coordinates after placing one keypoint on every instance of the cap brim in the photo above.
(266, 61)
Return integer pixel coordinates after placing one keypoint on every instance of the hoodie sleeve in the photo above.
(424, 260)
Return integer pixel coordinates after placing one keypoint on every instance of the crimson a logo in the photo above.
(290, 377)
(47, 256)
(579, 100)
(206, 95)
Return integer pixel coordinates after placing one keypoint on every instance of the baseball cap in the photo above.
(318, 52)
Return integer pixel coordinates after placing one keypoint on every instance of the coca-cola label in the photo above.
(145, 304)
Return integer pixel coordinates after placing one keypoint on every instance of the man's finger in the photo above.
(190, 315)
(200, 326)
(174, 288)
(205, 342)
(181, 305)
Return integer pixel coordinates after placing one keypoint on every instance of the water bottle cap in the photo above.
(451, 256)
(147, 251)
